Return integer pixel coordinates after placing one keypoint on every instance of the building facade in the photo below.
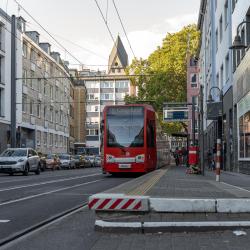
(5, 76)
(241, 87)
(47, 98)
(215, 62)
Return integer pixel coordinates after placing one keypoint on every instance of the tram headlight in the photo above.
(110, 158)
(140, 158)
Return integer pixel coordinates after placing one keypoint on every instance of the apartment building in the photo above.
(5, 76)
(47, 98)
(215, 62)
(241, 86)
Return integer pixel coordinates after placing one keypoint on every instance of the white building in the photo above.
(5, 77)
(241, 87)
(215, 25)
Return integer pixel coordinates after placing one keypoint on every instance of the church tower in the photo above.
(118, 59)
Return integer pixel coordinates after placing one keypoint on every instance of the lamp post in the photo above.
(219, 156)
(238, 43)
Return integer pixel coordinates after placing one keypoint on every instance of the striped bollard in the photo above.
(218, 159)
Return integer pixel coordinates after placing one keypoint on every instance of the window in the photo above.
(96, 108)
(216, 39)
(38, 109)
(1, 69)
(51, 91)
(45, 136)
(221, 76)
(107, 96)
(33, 56)
(51, 114)
(226, 14)
(193, 80)
(121, 84)
(56, 140)
(38, 138)
(24, 103)
(24, 50)
(150, 134)
(107, 84)
(71, 111)
(93, 132)
(221, 28)
(227, 67)
(195, 100)
(31, 107)
(51, 139)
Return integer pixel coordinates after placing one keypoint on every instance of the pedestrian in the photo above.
(177, 156)
(214, 156)
(184, 155)
(209, 159)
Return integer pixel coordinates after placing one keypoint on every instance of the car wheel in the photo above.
(38, 171)
(26, 170)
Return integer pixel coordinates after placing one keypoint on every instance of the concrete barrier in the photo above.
(118, 202)
(233, 205)
(182, 205)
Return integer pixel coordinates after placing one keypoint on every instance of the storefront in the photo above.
(243, 118)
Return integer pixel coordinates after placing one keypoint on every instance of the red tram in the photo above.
(132, 140)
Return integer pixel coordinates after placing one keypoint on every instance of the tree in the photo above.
(163, 76)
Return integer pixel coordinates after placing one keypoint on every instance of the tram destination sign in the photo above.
(175, 112)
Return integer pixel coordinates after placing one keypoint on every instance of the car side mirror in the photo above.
(29, 155)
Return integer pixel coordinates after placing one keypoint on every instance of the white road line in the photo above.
(4, 221)
(47, 182)
(243, 189)
(46, 193)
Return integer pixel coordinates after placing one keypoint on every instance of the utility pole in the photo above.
(193, 121)
(13, 82)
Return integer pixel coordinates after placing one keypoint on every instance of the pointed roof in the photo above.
(119, 52)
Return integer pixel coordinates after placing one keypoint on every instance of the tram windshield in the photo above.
(125, 127)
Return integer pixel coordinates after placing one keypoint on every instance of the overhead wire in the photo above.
(48, 32)
(123, 27)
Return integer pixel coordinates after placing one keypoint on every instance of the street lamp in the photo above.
(238, 43)
(220, 132)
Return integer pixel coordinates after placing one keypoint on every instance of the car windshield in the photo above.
(14, 153)
(125, 127)
(50, 157)
(64, 157)
(77, 157)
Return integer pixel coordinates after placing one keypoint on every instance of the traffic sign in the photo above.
(175, 112)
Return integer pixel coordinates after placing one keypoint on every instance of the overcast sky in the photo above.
(79, 21)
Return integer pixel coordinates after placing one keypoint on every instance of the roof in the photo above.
(119, 51)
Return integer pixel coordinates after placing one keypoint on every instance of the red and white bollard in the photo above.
(218, 159)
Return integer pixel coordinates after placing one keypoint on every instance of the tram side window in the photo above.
(150, 134)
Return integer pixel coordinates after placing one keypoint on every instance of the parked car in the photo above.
(20, 160)
(67, 161)
(87, 161)
(92, 160)
(79, 162)
(53, 162)
(97, 162)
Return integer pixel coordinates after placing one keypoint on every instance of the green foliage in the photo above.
(163, 76)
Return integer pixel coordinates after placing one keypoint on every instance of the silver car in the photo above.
(67, 161)
(20, 160)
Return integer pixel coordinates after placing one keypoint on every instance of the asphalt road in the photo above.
(28, 200)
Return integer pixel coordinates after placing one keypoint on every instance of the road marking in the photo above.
(4, 221)
(46, 193)
(243, 189)
(47, 182)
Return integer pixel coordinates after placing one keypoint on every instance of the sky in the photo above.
(79, 27)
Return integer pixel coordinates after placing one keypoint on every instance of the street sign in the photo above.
(214, 110)
(175, 112)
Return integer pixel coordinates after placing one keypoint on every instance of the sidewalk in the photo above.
(178, 201)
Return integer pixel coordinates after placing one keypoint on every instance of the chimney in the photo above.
(56, 56)
(45, 47)
(21, 24)
(33, 35)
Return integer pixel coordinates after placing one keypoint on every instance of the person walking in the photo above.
(177, 156)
